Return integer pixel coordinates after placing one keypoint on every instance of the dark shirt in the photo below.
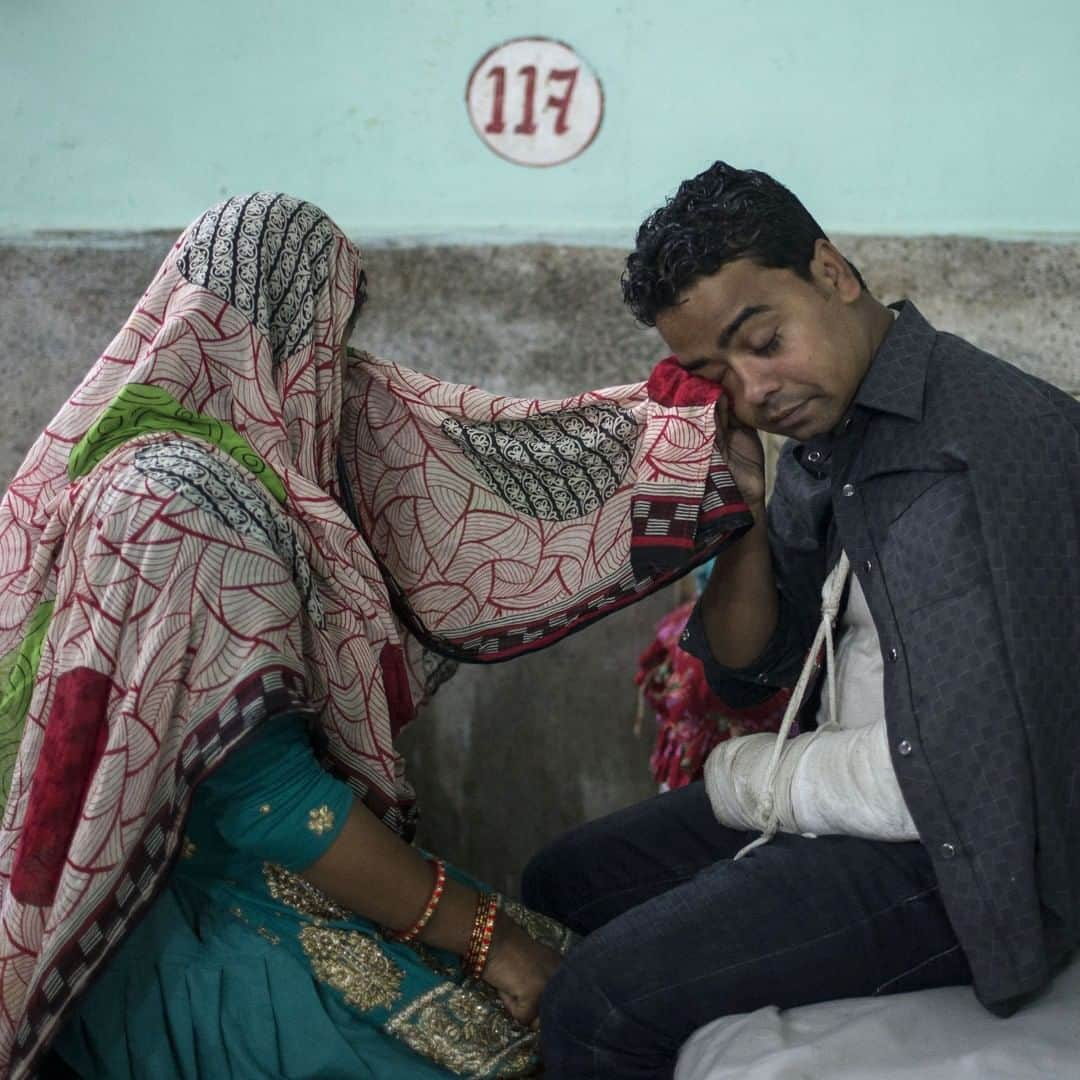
(953, 483)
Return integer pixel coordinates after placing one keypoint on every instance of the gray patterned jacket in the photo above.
(954, 485)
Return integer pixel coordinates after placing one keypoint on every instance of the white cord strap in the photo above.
(830, 608)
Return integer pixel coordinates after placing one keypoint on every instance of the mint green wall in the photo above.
(910, 116)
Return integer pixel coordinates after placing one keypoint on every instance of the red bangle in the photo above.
(417, 928)
(483, 930)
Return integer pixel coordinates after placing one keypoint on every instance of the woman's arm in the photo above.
(372, 871)
(261, 799)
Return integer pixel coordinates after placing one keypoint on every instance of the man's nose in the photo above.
(758, 384)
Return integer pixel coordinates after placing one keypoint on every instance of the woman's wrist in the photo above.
(454, 922)
(476, 956)
(438, 887)
(505, 949)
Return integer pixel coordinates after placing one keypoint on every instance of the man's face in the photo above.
(790, 353)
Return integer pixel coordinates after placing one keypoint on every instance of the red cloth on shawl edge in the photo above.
(396, 684)
(76, 733)
(674, 386)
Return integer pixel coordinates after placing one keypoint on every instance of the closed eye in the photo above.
(770, 347)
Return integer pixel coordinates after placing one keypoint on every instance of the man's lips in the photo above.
(786, 416)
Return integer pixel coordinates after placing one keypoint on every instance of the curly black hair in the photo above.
(720, 215)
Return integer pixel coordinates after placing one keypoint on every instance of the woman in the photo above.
(219, 568)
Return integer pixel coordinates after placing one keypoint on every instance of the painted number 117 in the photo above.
(534, 101)
(527, 124)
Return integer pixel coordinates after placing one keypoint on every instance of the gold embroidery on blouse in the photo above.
(354, 965)
(432, 962)
(299, 894)
(320, 820)
(466, 1030)
(265, 808)
(271, 937)
(187, 849)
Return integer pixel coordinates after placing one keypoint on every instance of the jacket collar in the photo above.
(896, 379)
(894, 383)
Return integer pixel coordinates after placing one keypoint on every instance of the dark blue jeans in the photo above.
(678, 934)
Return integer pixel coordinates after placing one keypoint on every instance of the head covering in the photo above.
(227, 521)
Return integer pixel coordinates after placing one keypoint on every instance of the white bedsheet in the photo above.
(929, 1035)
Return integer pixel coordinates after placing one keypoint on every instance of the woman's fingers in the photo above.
(525, 1011)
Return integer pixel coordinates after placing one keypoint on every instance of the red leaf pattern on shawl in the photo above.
(173, 605)
(185, 614)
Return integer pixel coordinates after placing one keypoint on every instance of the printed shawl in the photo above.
(229, 519)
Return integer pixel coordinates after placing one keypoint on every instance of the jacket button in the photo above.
(763, 677)
(948, 851)
(848, 490)
(684, 637)
(893, 655)
(903, 748)
(868, 566)
(814, 457)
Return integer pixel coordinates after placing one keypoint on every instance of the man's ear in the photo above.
(832, 274)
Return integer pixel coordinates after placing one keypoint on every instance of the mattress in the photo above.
(927, 1035)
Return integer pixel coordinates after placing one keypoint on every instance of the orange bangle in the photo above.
(417, 928)
(483, 930)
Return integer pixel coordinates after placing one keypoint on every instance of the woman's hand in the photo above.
(741, 446)
(395, 887)
(519, 968)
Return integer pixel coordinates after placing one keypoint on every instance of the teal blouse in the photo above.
(242, 969)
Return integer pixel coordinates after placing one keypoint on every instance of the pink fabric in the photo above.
(396, 685)
(184, 629)
(75, 738)
(690, 718)
(174, 613)
(670, 384)
(477, 577)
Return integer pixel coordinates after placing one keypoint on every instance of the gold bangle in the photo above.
(483, 930)
(417, 928)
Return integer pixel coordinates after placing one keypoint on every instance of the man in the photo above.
(922, 547)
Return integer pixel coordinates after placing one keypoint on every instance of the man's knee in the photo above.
(573, 1004)
(574, 1013)
(585, 1029)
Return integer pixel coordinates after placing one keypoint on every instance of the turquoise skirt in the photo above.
(242, 969)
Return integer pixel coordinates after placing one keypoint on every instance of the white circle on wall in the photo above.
(534, 101)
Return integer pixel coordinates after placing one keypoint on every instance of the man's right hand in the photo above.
(740, 603)
(742, 447)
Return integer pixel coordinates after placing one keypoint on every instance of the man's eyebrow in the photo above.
(729, 331)
(724, 340)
